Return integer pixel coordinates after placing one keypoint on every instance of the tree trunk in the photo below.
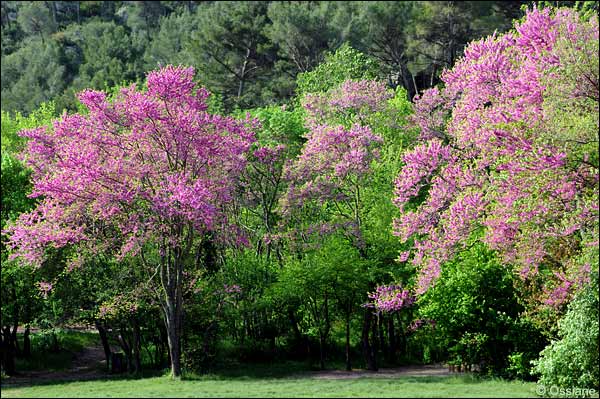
(375, 336)
(368, 353)
(137, 347)
(321, 352)
(391, 339)
(14, 339)
(173, 335)
(8, 352)
(380, 324)
(126, 348)
(348, 365)
(408, 81)
(172, 280)
(104, 340)
(243, 74)
(26, 343)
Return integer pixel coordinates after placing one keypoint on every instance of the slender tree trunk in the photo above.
(348, 365)
(172, 308)
(375, 336)
(137, 347)
(368, 353)
(321, 351)
(391, 339)
(243, 74)
(14, 339)
(380, 325)
(104, 340)
(408, 81)
(173, 335)
(26, 342)
(126, 348)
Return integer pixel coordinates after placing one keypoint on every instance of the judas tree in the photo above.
(332, 183)
(508, 153)
(148, 173)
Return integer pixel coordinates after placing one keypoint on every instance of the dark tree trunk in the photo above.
(348, 364)
(8, 352)
(321, 351)
(126, 347)
(408, 81)
(391, 339)
(137, 347)
(375, 336)
(294, 324)
(104, 340)
(26, 342)
(380, 323)
(14, 339)
(368, 353)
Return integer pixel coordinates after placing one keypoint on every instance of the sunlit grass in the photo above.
(245, 386)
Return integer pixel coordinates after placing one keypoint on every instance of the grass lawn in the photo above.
(215, 386)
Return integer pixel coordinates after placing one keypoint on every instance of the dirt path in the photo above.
(435, 370)
(88, 364)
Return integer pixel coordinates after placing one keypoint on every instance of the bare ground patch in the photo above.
(435, 370)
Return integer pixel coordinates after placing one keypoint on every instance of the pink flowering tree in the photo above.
(148, 174)
(327, 178)
(508, 154)
(336, 183)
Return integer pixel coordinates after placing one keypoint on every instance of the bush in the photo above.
(477, 314)
(572, 361)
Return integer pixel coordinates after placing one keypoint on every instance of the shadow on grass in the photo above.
(102, 376)
(287, 370)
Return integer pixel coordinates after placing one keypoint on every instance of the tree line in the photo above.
(248, 52)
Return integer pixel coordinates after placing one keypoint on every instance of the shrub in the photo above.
(572, 360)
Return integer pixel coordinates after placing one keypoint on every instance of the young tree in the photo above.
(149, 173)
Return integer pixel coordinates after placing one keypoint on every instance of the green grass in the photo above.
(219, 386)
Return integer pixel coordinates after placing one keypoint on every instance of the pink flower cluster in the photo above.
(419, 323)
(44, 287)
(352, 99)
(390, 298)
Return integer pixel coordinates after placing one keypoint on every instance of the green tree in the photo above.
(303, 31)
(387, 40)
(35, 18)
(344, 64)
(168, 44)
(477, 313)
(231, 51)
(19, 294)
(110, 55)
(440, 30)
(32, 75)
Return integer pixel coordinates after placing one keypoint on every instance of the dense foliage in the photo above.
(249, 52)
(305, 190)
